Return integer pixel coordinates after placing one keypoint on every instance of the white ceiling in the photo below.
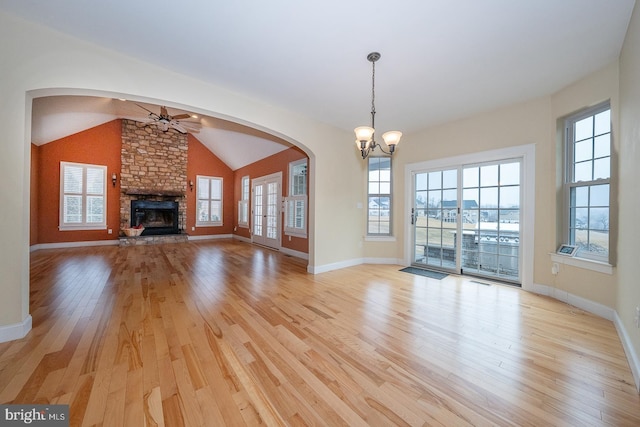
(441, 60)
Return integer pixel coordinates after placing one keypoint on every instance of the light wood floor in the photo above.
(224, 333)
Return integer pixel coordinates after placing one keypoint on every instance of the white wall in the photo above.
(37, 61)
(629, 192)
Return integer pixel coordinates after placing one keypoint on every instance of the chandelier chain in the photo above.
(373, 94)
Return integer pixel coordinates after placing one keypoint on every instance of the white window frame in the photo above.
(243, 203)
(295, 204)
(210, 200)
(569, 184)
(83, 224)
(380, 194)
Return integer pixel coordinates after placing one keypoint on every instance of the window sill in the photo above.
(209, 224)
(379, 239)
(587, 264)
(295, 234)
(81, 227)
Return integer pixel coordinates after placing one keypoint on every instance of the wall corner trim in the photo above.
(15, 331)
(627, 345)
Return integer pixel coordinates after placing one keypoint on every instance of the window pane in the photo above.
(488, 175)
(582, 172)
(421, 181)
(203, 188)
(510, 174)
(435, 197)
(95, 209)
(95, 181)
(602, 146)
(374, 187)
(216, 211)
(583, 150)
(489, 197)
(385, 188)
(216, 189)
(600, 195)
(435, 180)
(73, 179)
(601, 168)
(470, 177)
(599, 218)
(603, 122)
(72, 209)
(581, 217)
(203, 210)
(580, 196)
(450, 178)
(510, 197)
(584, 129)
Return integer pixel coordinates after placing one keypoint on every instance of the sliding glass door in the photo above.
(466, 219)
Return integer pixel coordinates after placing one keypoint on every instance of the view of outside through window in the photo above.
(379, 218)
(486, 219)
(589, 151)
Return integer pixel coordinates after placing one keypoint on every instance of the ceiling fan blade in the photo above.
(181, 116)
(163, 111)
(146, 109)
(178, 127)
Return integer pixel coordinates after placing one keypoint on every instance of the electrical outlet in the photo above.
(555, 268)
(110, 231)
(637, 317)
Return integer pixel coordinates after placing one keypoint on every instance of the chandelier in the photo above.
(365, 135)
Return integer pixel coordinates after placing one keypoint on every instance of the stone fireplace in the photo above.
(154, 171)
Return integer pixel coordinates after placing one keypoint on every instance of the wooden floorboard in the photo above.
(225, 333)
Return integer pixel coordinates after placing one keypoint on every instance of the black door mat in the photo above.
(427, 273)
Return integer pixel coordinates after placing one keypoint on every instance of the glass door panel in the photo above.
(491, 226)
(435, 219)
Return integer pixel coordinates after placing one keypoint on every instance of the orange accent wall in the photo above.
(99, 145)
(278, 162)
(33, 217)
(201, 161)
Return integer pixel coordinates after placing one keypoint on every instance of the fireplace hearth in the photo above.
(157, 217)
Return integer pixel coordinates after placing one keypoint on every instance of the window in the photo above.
(83, 201)
(243, 203)
(209, 208)
(379, 200)
(295, 212)
(588, 171)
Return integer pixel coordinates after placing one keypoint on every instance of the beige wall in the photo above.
(532, 122)
(48, 63)
(629, 192)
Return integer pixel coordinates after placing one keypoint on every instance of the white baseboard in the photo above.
(15, 331)
(210, 237)
(296, 254)
(583, 303)
(632, 356)
(62, 245)
(334, 266)
(390, 261)
(242, 238)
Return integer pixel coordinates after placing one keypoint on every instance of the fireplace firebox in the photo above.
(157, 217)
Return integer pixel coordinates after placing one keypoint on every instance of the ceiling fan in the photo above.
(164, 121)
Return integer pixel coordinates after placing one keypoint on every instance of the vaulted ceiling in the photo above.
(441, 60)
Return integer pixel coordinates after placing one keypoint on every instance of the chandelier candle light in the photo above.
(365, 135)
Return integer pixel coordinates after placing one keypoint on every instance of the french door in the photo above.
(265, 210)
(466, 219)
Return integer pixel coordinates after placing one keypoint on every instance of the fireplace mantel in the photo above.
(153, 192)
